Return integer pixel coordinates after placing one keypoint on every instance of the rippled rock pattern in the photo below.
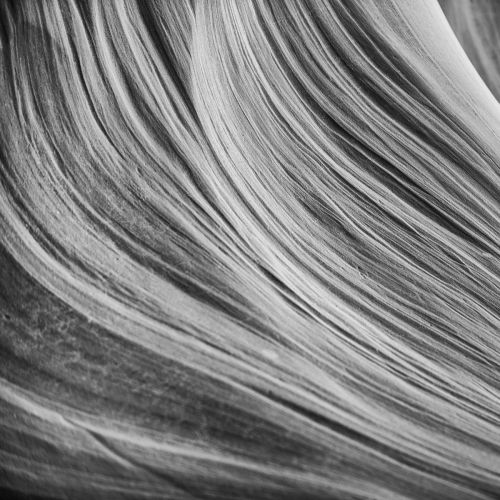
(250, 249)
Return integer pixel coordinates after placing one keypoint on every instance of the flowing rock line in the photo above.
(249, 249)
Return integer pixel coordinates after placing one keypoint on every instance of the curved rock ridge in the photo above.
(249, 249)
